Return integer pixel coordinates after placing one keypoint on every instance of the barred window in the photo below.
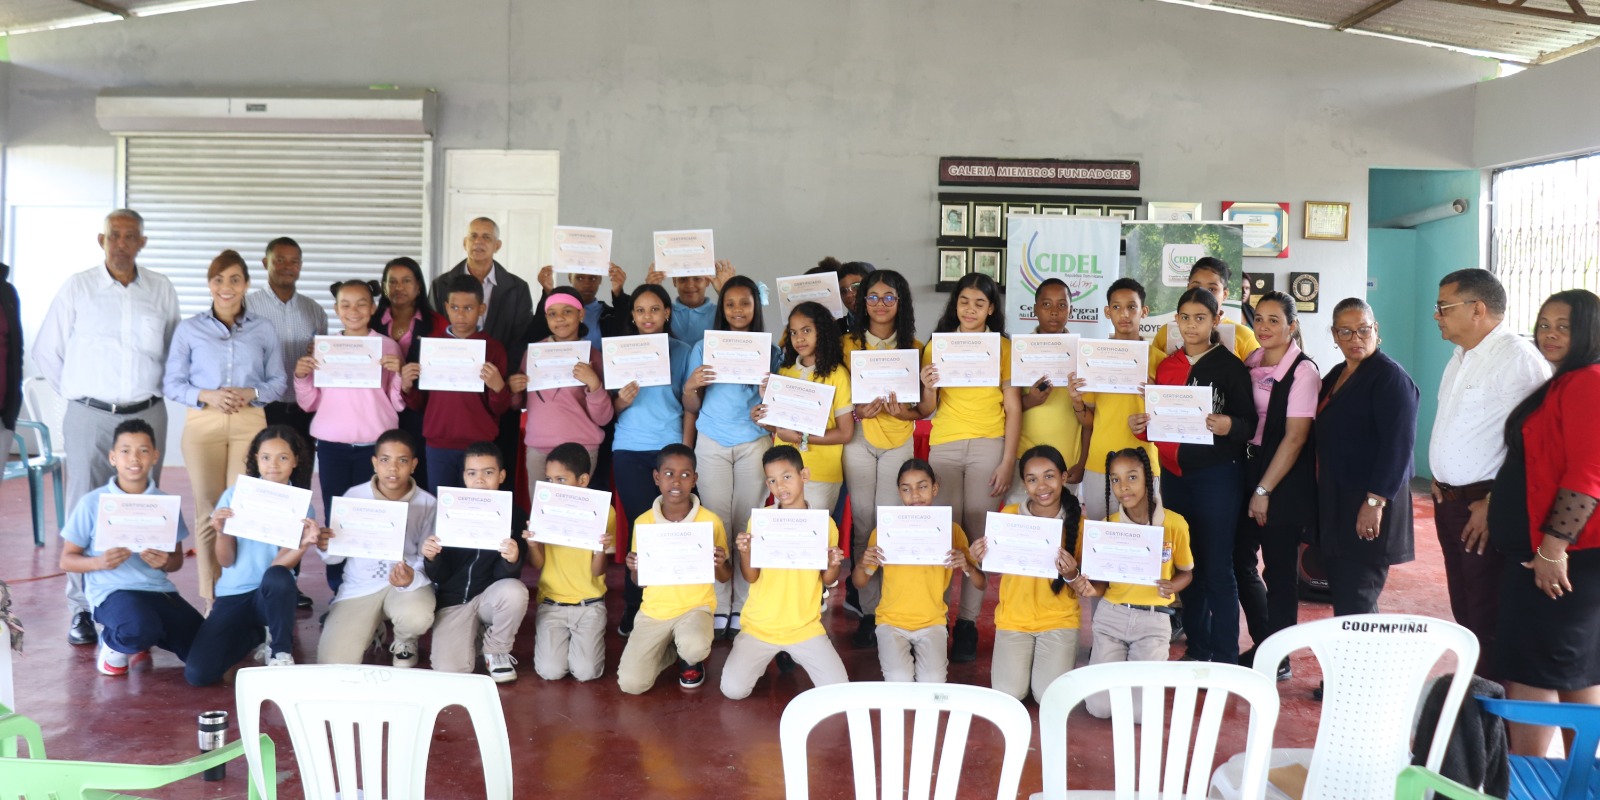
(1545, 233)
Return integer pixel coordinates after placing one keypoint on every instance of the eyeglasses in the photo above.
(1440, 308)
(882, 299)
(1346, 334)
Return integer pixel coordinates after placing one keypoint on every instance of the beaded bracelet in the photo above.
(1540, 553)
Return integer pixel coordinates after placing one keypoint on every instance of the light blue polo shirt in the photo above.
(689, 325)
(132, 575)
(655, 419)
(725, 410)
(250, 559)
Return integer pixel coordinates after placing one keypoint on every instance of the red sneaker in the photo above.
(690, 676)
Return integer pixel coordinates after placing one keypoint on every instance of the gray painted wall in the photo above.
(1539, 114)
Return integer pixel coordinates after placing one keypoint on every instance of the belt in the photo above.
(1471, 493)
(119, 408)
(593, 601)
(1168, 610)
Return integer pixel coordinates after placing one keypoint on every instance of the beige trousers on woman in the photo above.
(214, 449)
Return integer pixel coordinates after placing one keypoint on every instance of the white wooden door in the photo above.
(518, 189)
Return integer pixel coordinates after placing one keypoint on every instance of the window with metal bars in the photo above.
(1545, 234)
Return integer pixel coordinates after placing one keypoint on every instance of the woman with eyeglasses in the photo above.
(1365, 431)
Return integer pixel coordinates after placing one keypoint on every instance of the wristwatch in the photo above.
(1376, 503)
(1261, 491)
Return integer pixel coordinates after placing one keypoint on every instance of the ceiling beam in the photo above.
(1365, 14)
(1512, 8)
(1567, 51)
(108, 7)
(1577, 7)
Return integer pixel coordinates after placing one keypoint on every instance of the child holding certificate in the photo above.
(378, 590)
(1212, 275)
(570, 625)
(911, 636)
(1106, 414)
(478, 592)
(812, 352)
(256, 591)
(453, 420)
(673, 617)
(1036, 621)
(975, 435)
(135, 604)
(565, 413)
(1047, 415)
(782, 618)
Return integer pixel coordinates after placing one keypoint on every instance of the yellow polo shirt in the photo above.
(826, 461)
(1244, 340)
(913, 594)
(883, 431)
(783, 605)
(666, 602)
(1175, 555)
(1027, 605)
(971, 412)
(1111, 432)
(567, 576)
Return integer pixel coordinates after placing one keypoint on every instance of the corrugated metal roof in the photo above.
(26, 16)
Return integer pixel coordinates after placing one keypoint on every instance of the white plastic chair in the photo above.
(1374, 668)
(1184, 776)
(46, 406)
(928, 700)
(330, 709)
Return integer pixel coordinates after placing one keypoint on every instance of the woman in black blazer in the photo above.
(11, 337)
(1366, 429)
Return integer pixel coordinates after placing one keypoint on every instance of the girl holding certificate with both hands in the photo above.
(812, 352)
(565, 413)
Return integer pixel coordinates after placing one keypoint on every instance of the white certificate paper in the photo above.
(569, 515)
(683, 254)
(268, 512)
(738, 356)
(348, 362)
(452, 365)
(549, 365)
(138, 522)
(878, 373)
(967, 359)
(820, 288)
(917, 535)
(645, 359)
(1123, 553)
(675, 554)
(1043, 355)
(1178, 413)
(373, 529)
(798, 405)
(782, 538)
(1021, 545)
(581, 251)
(476, 519)
(1113, 366)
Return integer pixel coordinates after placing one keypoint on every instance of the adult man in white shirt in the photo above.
(103, 346)
(298, 320)
(1491, 371)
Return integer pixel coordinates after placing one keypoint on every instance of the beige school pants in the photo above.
(873, 476)
(919, 655)
(750, 656)
(651, 646)
(1023, 660)
(571, 639)
(497, 612)
(351, 623)
(964, 468)
(214, 448)
(1126, 634)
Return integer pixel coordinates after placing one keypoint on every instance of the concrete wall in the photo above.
(1538, 114)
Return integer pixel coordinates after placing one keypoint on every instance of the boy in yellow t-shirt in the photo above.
(782, 615)
(1107, 413)
(673, 616)
(912, 613)
(570, 624)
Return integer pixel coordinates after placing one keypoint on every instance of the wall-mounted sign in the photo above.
(1038, 173)
(1305, 288)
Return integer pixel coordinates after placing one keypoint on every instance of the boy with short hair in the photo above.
(781, 615)
(375, 590)
(134, 602)
(673, 616)
(570, 623)
(452, 421)
(477, 591)
(1106, 414)
(1212, 274)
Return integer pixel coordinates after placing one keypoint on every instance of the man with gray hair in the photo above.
(103, 346)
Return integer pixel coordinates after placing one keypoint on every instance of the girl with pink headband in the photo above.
(571, 413)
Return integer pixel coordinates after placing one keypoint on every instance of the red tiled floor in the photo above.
(566, 738)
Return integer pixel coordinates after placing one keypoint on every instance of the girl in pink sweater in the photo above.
(569, 413)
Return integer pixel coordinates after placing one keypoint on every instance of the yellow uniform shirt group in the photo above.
(826, 461)
(568, 576)
(913, 594)
(783, 606)
(883, 431)
(666, 602)
(1027, 604)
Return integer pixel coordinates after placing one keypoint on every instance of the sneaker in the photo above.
(786, 663)
(964, 643)
(690, 676)
(1285, 672)
(866, 633)
(502, 667)
(281, 660)
(405, 652)
(733, 626)
(625, 627)
(300, 600)
(264, 652)
(1177, 629)
(852, 599)
(112, 662)
(82, 630)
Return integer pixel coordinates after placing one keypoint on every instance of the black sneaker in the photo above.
(690, 676)
(82, 630)
(866, 633)
(301, 601)
(625, 628)
(964, 644)
(852, 599)
(786, 663)
(1285, 672)
(1248, 658)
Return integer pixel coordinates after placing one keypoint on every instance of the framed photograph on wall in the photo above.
(1088, 211)
(989, 262)
(1266, 227)
(1327, 220)
(1122, 213)
(988, 220)
(1173, 212)
(953, 219)
(1059, 210)
(952, 263)
(1021, 208)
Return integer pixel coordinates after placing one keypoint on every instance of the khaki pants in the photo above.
(750, 656)
(918, 655)
(497, 612)
(1126, 634)
(1023, 660)
(351, 623)
(570, 639)
(731, 483)
(650, 647)
(214, 448)
(873, 476)
(536, 459)
(964, 468)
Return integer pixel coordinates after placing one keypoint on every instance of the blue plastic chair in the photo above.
(1554, 778)
(34, 468)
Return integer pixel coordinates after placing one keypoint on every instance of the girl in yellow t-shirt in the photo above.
(1036, 620)
(811, 352)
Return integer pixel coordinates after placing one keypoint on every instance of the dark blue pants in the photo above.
(636, 488)
(1210, 500)
(136, 621)
(235, 627)
(339, 467)
(445, 467)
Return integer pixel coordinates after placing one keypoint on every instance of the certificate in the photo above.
(581, 251)
(348, 362)
(782, 538)
(268, 512)
(798, 405)
(967, 359)
(683, 254)
(569, 515)
(1178, 413)
(549, 364)
(739, 357)
(675, 554)
(1122, 553)
(1226, 331)
(879, 373)
(1043, 355)
(642, 359)
(820, 288)
(914, 534)
(452, 365)
(373, 529)
(1114, 366)
(476, 519)
(138, 522)
(1021, 545)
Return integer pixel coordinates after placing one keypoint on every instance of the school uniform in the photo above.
(913, 632)
(1035, 630)
(346, 424)
(671, 617)
(872, 460)
(366, 598)
(1134, 621)
(689, 325)
(826, 461)
(454, 421)
(476, 592)
(570, 623)
(566, 414)
(1110, 434)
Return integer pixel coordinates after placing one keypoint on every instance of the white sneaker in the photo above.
(405, 652)
(281, 660)
(111, 662)
(502, 667)
(264, 652)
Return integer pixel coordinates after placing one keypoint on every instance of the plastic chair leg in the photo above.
(56, 477)
(36, 499)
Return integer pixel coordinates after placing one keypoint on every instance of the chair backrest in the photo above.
(1374, 669)
(8, 688)
(1188, 777)
(334, 711)
(927, 702)
(1580, 718)
(46, 406)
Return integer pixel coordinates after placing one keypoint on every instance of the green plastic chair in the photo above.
(1414, 783)
(13, 727)
(40, 778)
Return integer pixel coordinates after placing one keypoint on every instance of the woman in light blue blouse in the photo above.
(225, 365)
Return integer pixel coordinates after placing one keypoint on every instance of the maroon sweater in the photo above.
(458, 420)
